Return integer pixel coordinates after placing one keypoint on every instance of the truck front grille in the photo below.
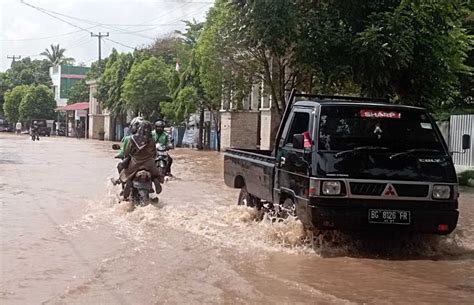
(412, 190)
(367, 189)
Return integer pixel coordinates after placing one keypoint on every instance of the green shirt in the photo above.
(160, 138)
(124, 145)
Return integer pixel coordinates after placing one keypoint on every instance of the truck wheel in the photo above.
(245, 198)
(287, 208)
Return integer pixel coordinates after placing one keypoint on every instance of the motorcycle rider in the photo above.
(126, 139)
(35, 130)
(161, 137)
(141, 151)
(134, 124)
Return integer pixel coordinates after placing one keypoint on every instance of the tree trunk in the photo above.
(218, 130)
(208, 140)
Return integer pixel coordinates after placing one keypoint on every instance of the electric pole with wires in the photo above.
(13, 57)
(99, 36)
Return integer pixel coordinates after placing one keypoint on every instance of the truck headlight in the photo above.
(441, 191)
(331, 188)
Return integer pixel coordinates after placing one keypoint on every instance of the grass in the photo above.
(464, 178)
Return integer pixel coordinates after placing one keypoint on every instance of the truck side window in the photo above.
(299, 125)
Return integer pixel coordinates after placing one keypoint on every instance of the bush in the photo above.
(464, 178)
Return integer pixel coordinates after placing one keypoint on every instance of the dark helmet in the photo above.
(160, 124)
(134, 124)
(145, 128)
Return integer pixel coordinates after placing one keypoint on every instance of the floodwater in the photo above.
(65, 239)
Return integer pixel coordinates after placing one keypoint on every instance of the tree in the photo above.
(79, 92)
(146, 86)
(109, 90)
(414, 52)
(12, 102)
(24, 72)
(224, 65)
(38, 103)
(56, 56)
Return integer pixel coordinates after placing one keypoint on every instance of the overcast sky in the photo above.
(27, 31)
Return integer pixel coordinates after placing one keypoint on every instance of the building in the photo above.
(101, 124)
(63, 78)
(252, 126)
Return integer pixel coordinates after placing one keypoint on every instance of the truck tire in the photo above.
(287, 208)
(245, 198)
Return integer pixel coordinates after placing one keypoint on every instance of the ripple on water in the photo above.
(237, 227)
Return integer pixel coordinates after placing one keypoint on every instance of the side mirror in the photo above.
(466, 142)
(298, 141)
(115, 147)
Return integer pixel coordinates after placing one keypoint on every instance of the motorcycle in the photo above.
(34, 135)
(162, 160)
(141, 187)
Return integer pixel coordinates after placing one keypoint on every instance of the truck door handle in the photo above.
(282, 160)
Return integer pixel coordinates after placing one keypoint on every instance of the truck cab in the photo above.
(351, 163)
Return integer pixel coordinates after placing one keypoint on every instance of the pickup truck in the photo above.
(352, 163)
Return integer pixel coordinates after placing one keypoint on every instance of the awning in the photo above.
(72, 107)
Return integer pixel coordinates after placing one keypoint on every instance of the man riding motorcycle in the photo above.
(141, 153)
(161, 137)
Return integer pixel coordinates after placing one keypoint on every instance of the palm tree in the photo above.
(56, 55)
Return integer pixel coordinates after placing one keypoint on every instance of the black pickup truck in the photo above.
(352, 163)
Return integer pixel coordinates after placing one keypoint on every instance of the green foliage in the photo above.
(414, 52)
(79, 92)
(12, 102)
(185, 103)
(465, 176)
(109, 90)
(38, 103)
(24, 72)
(146, 86)
(225, 66)
(55, 56)
(97, 69)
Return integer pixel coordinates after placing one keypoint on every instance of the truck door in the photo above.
(293, 164)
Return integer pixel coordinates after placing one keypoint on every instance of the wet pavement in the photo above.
(65, 239)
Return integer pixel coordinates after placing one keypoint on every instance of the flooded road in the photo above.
(65, 239)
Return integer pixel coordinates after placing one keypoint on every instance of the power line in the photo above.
(53, 16)
(46, 37)
(119, 43)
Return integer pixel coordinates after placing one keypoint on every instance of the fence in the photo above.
(460, 125)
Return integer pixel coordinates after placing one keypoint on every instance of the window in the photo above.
(299, 124)
(347, 127)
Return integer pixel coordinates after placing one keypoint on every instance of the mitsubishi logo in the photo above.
(390, 191)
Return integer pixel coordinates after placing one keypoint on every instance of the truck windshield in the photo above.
(395, 130)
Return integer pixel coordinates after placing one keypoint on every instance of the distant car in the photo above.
(6, 128)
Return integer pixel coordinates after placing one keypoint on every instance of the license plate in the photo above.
(389, 216)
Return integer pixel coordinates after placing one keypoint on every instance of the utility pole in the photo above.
(99, 36)
(13, 57)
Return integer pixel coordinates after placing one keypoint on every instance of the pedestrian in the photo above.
(18, 128)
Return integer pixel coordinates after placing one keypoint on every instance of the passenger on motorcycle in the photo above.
(161, 137)
(126, 139)
(141, 151)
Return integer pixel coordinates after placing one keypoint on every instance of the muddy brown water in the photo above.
(65, 239)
